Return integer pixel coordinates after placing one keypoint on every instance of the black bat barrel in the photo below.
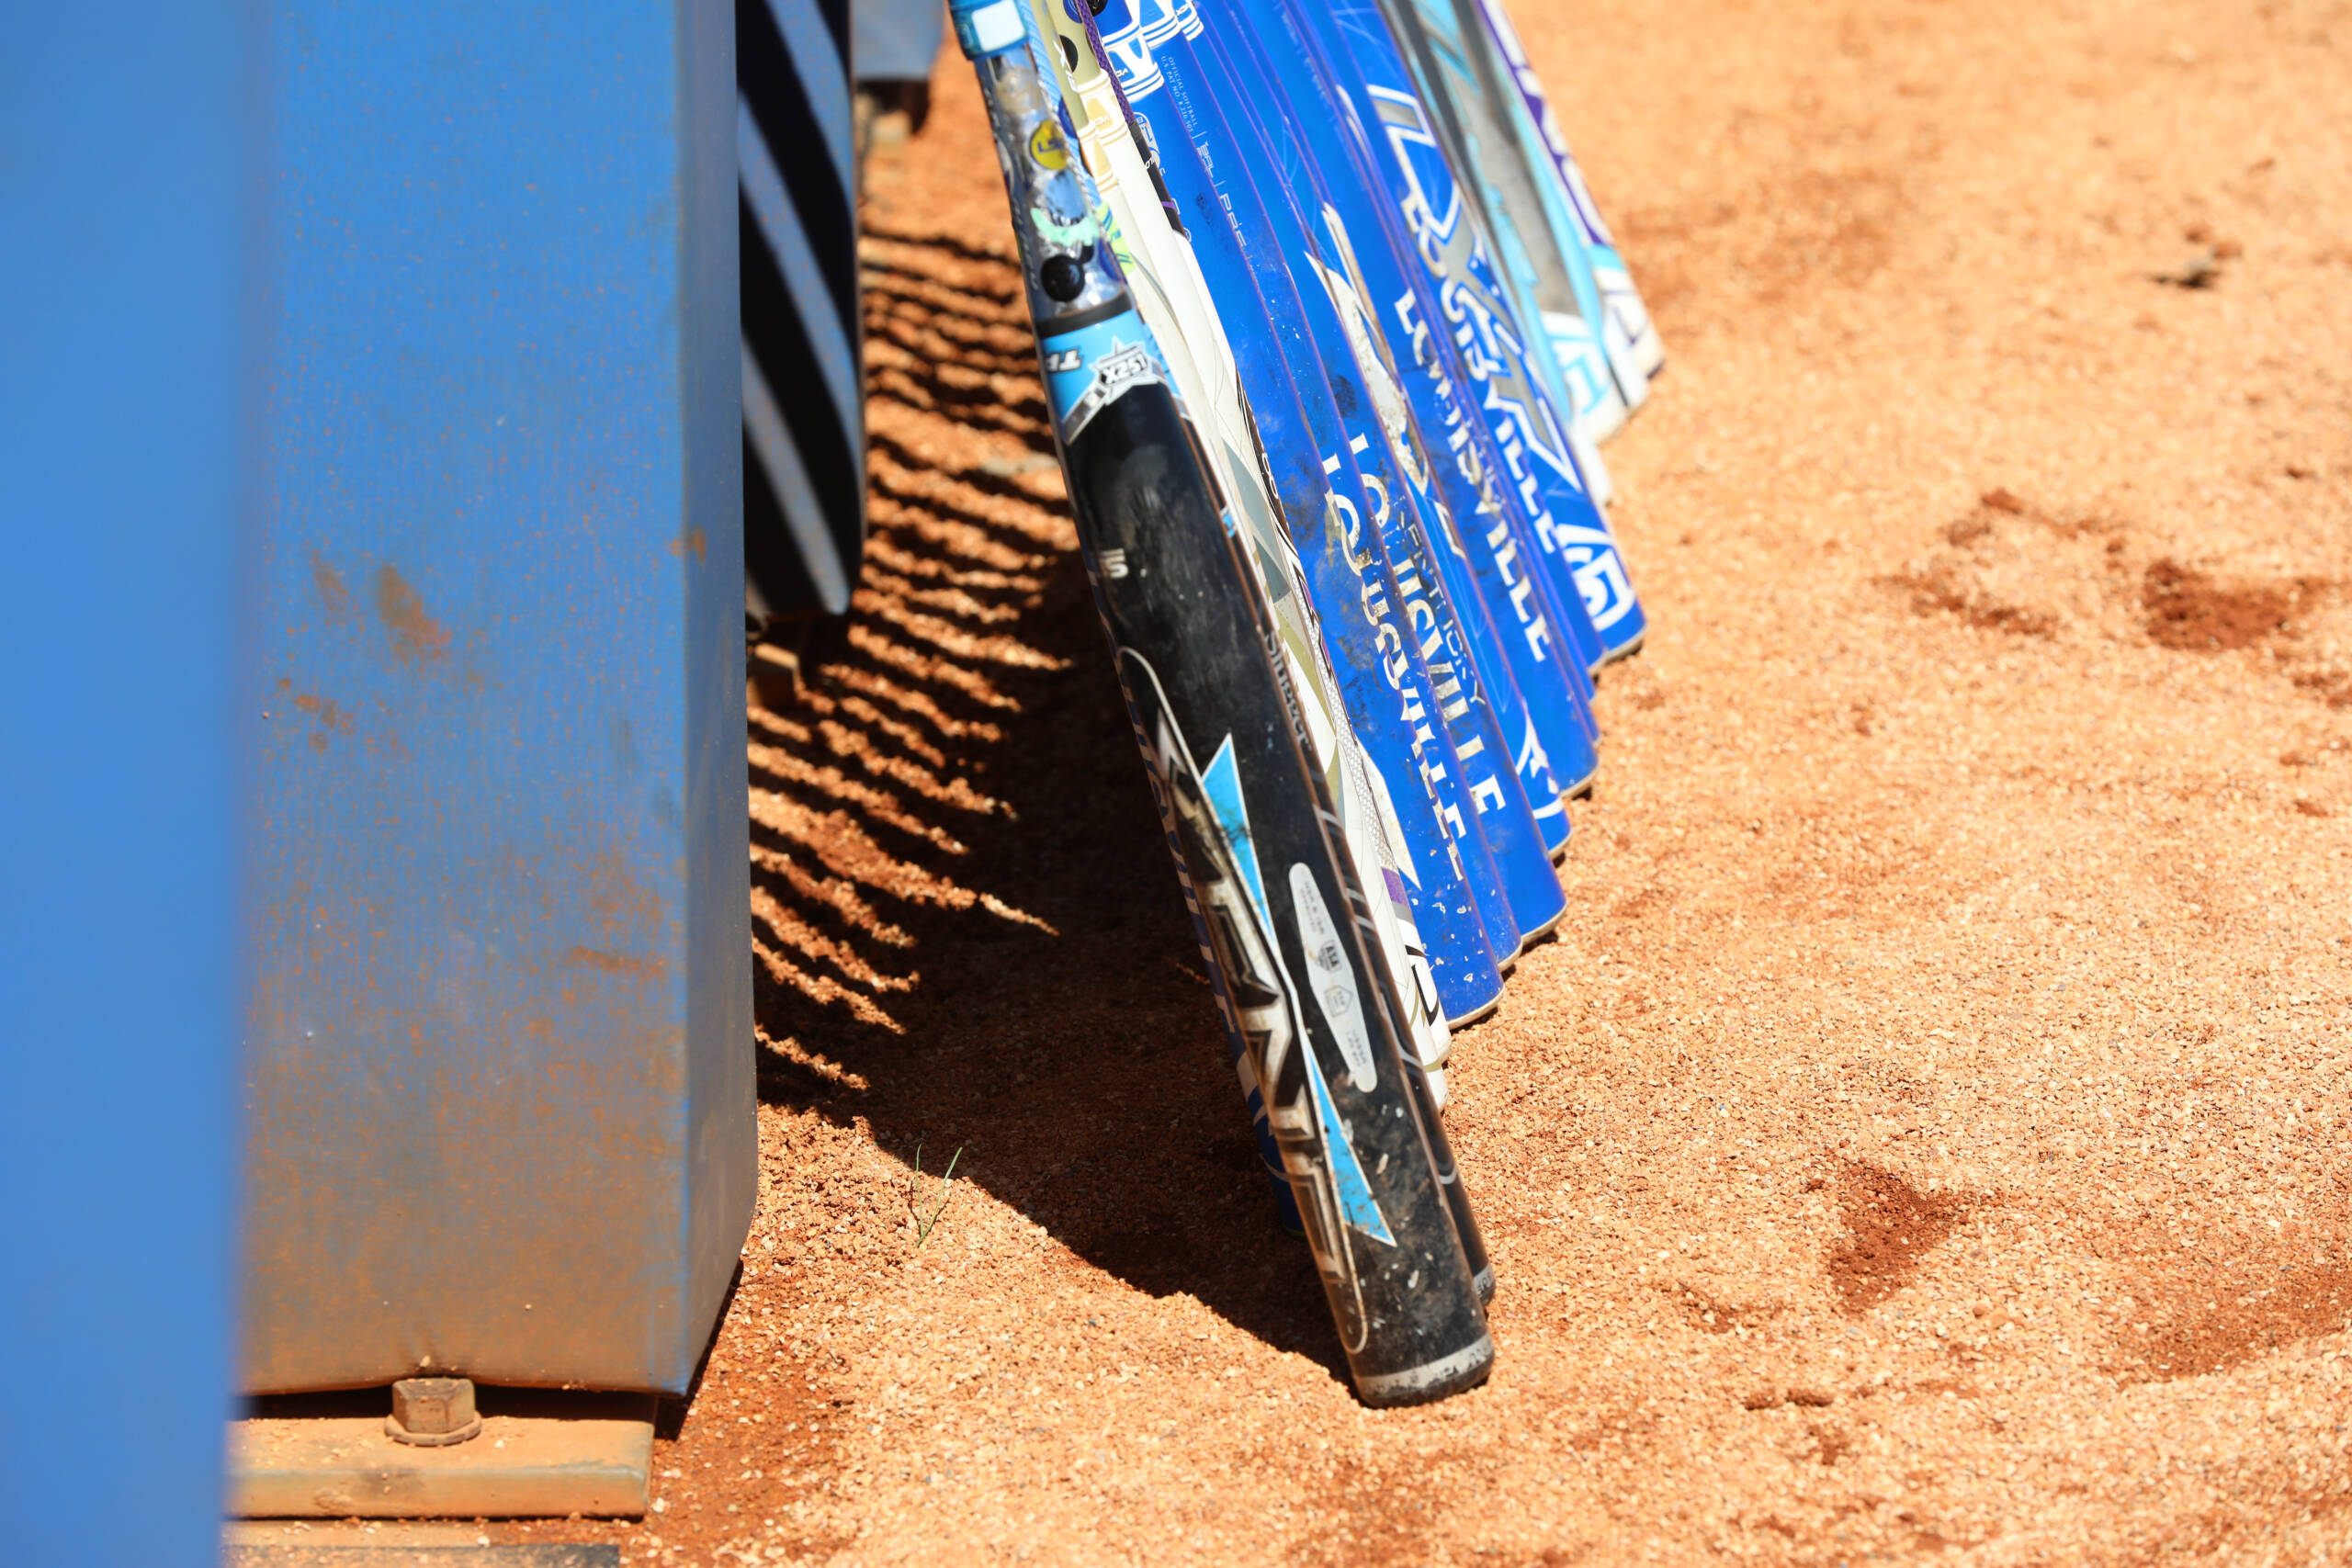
(1209, 689)
(1198, 657)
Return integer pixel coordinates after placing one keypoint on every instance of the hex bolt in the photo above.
(432, 1413)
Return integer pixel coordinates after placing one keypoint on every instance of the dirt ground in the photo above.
(1929, 1142)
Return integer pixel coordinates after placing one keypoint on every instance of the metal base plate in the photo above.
(591, 1459)
(310, 1556)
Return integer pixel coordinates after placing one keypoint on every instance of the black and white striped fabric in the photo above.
(804, 425)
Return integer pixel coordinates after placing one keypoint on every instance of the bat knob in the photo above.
(1062, 277)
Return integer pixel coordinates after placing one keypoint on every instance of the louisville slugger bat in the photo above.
(1416, 153)
(1383, 679)
(1370, 413)
(1477, 111)
(1632, 341)
(1354, 61)
(1198, 656)
(1389, 310)
(1173, 299)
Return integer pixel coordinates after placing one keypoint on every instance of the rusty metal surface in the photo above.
(500, 1057)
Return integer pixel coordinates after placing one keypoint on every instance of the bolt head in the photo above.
(432, 1406)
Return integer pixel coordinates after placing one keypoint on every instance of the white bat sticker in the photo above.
(1334, 982)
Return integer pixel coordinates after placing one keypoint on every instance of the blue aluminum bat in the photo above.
(1370, 412)
(1365, 85)
(1315, 478)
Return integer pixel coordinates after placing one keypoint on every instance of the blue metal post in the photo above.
(500, 1080)
(123, 478)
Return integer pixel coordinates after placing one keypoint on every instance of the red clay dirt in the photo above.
(1930, 1142)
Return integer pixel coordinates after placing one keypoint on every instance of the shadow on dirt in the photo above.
(969, 933)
